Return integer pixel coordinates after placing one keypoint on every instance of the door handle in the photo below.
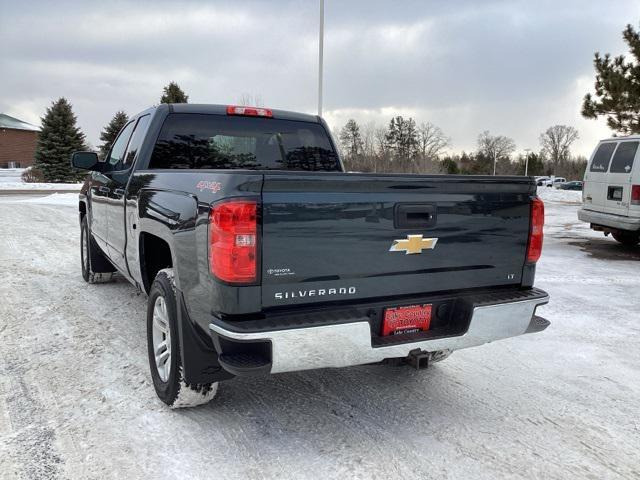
(104, 189)
(414, 215)
(119, 191)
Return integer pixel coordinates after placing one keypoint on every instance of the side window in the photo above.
(623, 159)
(602, 157)
(134, 144)
(116, 155)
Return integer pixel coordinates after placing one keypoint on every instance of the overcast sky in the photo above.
(511, 67)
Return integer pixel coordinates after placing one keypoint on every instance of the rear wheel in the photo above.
(164, 348)
(95, 267)
(629, 239)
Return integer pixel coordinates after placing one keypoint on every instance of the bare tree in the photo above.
(368, 150)
(431, 144)
(495, 146)
(335, 134)
(556, 143)
(250, 100)
(368, 132)
(431, 140)
(381, 140)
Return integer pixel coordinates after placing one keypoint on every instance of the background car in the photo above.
(542, 181)
(575, 185)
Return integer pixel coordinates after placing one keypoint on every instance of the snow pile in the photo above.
(4, 185)
(10, 179)
(10, 175)
(54, 199)
(549, 194)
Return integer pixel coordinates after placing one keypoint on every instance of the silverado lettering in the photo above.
(320, 292)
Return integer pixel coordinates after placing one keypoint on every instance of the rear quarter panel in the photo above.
(174, 205)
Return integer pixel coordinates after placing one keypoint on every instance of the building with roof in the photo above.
(17, 142)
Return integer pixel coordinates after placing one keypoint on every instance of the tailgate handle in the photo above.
(412, 215)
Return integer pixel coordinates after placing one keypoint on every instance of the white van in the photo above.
(611, 192)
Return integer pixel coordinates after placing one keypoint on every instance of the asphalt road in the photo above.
(76, 399)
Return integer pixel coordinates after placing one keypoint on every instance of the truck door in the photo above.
(119, 228)
(109, 184)
(98, 216)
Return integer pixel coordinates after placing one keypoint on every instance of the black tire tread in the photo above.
(175, 392)
(630, 239)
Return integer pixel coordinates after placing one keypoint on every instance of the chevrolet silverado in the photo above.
(260, 255)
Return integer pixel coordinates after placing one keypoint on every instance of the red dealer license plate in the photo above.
(409, 319)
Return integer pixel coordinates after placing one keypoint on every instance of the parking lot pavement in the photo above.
(76, 399)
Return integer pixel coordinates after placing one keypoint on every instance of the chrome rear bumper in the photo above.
(609, 220)
(349, 344)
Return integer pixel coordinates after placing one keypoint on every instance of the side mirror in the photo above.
(85, 160)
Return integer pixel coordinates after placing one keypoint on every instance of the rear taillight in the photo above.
(536, 234)
(635, 195)
(249, 111)
(233, 238)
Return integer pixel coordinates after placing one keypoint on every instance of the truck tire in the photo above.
(630, 239)
(164, 348)
(95, 266)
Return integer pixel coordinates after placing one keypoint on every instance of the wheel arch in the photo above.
(155, 254)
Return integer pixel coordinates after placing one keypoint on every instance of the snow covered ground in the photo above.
(10, 180)
(11, 175)
(69, 199)
(76, 399)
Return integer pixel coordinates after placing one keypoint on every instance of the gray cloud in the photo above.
(511, 67)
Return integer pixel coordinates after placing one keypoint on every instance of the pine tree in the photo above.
(110, 132)
(450, 166)
(172, 93)
(402, 141)
(351, 139)
(617, 88)
(58, 139)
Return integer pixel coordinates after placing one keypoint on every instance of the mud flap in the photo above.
(199, 358)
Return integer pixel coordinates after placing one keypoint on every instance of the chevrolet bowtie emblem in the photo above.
(413, 244)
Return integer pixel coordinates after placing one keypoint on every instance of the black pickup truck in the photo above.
(259, 254)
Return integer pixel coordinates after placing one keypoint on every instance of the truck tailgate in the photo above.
(335, 237)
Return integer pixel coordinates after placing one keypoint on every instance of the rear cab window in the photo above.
(602, 157)
(623, 159)
(196, 141)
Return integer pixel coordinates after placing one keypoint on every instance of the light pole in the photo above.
(526, 161)
(320, 55)
(495, 161)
